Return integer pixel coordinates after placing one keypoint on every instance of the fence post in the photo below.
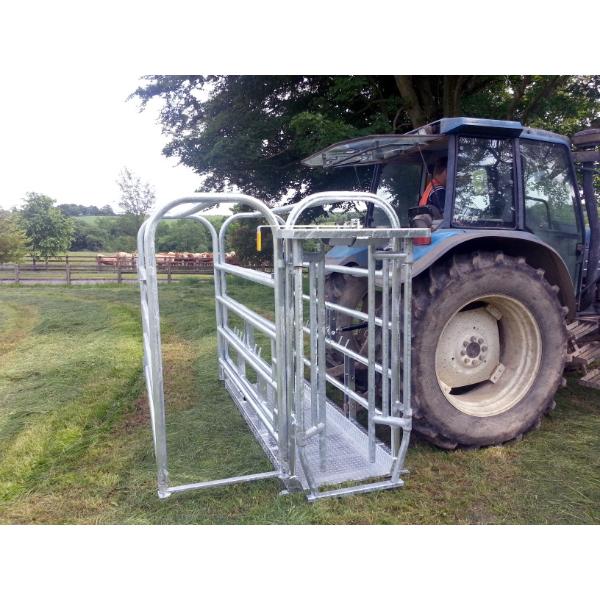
(17, 274)
(67, 258)
(169, 272)
(119, 274)
(68, 273)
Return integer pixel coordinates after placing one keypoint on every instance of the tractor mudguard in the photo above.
(451, 241)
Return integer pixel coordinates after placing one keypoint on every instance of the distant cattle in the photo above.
(120, 259)
(192, 260)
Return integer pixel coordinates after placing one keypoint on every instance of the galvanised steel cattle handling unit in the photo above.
(478, 321)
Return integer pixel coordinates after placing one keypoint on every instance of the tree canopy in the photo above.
(48, 230)
(80, 210)
(182, 235)
(13, 242)
(251, 132)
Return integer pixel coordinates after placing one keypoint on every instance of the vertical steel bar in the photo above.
(371, 353)
(346, 384)
(407, 331)
(395, 349)
(155, 360)
(279, 356)
(298, 336)
(219, 258)
(352, 386)
(272, 403)
(385, 336)
(288, 316)
(321, 358)
(314, 385)
(298, 371)
(400, 452)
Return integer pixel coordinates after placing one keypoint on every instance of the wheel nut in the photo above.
(475, 363)
(473, 338)
(462, 352)
(484, 348)
(480, 341)
(465, 343)
(466, 360)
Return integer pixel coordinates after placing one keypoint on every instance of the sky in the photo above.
(66, 129)
(68, 135)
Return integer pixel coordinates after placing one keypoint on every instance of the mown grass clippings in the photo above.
(76, 447)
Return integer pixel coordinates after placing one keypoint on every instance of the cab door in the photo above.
(550, 199)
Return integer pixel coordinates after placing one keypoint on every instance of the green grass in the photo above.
(94, 218)
(75, 445)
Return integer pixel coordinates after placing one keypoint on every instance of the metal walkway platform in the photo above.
(347, 455)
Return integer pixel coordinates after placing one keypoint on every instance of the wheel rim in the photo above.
(488, 355)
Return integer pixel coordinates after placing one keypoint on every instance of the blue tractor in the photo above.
(505, 292)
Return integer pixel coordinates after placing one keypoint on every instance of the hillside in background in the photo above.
(100, 233)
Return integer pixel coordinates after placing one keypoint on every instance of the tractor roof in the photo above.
(373, 149)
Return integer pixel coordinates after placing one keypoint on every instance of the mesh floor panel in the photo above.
(346, 445)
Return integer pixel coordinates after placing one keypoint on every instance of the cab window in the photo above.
(485, 187)
(400, 186)
(550, 198)
(548, 188)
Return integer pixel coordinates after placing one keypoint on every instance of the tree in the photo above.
(80, 210)
(49, 231)
(241, 238)
(137, 197)
(183, 235)
(88, 236)
(251, 132)
(13, 241)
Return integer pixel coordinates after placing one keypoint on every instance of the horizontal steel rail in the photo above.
(248, 274)
(351, 312)
(302, 232)
(204, 485)
(252, 317)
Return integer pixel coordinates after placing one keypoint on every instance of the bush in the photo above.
(88, 236)
(13, 241)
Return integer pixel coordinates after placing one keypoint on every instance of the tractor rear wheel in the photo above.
(489, 348)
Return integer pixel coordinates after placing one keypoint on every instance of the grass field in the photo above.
(75, 445)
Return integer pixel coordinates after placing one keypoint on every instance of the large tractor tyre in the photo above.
(489, 348)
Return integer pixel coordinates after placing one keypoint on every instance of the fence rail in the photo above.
(80, 272)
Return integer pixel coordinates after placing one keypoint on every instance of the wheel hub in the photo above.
(487, 357)
(468, 350)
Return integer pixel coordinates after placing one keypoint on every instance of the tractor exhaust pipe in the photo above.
(586, 141)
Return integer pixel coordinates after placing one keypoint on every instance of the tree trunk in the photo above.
(426, 98)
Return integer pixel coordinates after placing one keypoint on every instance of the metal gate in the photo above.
(318, 428)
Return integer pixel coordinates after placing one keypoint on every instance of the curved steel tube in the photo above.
(322, 198)
(151, 316)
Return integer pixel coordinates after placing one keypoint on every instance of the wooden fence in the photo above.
(70, 270)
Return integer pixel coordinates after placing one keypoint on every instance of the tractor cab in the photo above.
(505, 291)
(504, 181)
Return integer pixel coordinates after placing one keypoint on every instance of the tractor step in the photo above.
(581, 327)
(586, 354)
(591, 380)
(583, 353)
